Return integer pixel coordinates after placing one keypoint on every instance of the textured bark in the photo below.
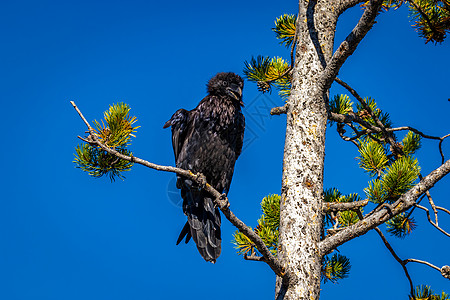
(302, 182)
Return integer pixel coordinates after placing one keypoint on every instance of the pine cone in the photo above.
(263, 86)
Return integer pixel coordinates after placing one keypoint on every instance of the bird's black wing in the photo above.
(179, 122)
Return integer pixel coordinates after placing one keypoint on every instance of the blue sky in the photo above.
(64, 235)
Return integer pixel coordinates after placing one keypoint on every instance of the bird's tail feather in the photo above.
(204, 224)
(186, 231)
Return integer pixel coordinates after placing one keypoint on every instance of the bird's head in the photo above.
(227, 84)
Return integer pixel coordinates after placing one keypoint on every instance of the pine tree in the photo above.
(300, 228)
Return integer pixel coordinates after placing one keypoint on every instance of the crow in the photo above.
(208, 139)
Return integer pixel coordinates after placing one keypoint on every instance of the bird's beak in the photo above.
(236, 92)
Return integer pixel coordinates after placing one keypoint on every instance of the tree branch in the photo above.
(401, 262)
(406, 201)
(348, 46)
(219, 199)
(431, 222)
(387, 132)
(352, 117)
(342, 206)
(253, 257)
(363, 102)
(445, 270)
(279, 110)
(421, 262)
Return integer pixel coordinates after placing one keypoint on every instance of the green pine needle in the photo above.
(341, 104)
(400, 177)
(267, 228)
(267, 72)
(373, 157)
(115, 131)
(335, 268)
(400, 225)
(119, 126)
(347, 218)
(365, 115)
(268, 234)
(242, 243)
(411, 143)
(285, 29)
(99, 163)
(375, 192)
(332, 195)
(257, 69)
(270, 206)
(431, 19)
(424, 292)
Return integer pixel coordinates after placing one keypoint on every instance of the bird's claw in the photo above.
(223, 198)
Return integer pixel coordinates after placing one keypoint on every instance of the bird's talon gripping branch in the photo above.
(201, 180)
(223, 201)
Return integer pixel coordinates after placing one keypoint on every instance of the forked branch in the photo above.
(397, 258)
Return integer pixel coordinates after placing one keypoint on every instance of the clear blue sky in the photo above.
(64, 235)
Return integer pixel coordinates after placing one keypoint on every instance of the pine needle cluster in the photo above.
(114, 131)
(431, 17)
(267, 228)
(274, 72)
(269, 72)
(400, 225)
(340, 219)
(335, 267)
(424, 292)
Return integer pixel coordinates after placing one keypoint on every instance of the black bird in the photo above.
(208, 139)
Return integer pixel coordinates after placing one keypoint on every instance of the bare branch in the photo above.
(440, 146)
(352, 117)
(219, 199)
(347, 47)
(386, 243)
(421, 262)
(279, 110)
(443, 209)
(253, 257)
(405, 202)
(346, 4)
(342, 206)
(431, 222)
(441, 139)
(445, 270)
(415, 131)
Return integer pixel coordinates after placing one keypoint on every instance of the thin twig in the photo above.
(219, 199)
(415, 131)
(440, 146)
(401, 262)
(421, 262)
(363, 102)
(443, 209)
(431, 222)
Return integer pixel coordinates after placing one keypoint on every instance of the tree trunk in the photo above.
(304, 151)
